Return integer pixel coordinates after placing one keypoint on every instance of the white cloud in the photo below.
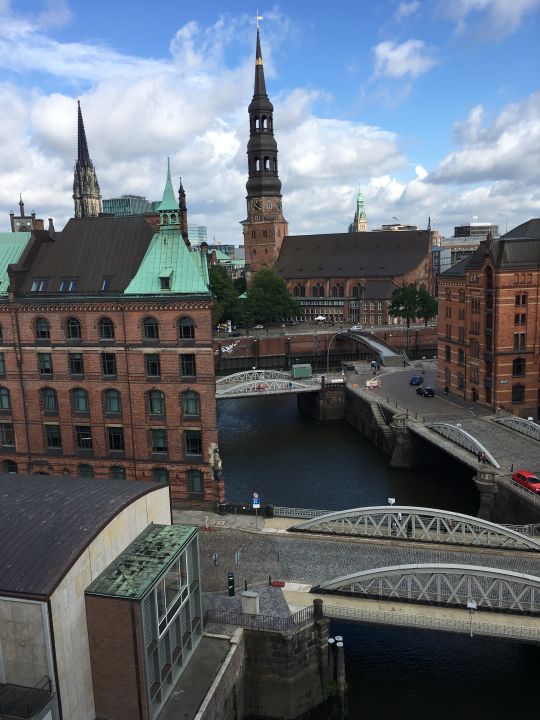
(407, 9)
(501, 17)
(411, 58)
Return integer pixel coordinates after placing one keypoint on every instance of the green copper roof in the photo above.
(12, 245)
(169, 201)
(168, 257)
(133, 573)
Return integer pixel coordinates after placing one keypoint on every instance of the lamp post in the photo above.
(328, 350)
(391, 501)
(472, 606)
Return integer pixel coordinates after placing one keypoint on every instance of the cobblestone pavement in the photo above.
(313, 560)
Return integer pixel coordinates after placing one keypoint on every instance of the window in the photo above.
(53, 438)
(75, 364)
(518, 393)
(5, 399)
(191, 405)
(8, 466)
(520, 341)
(461, 357)
(156, 402)
(461, 331)
(519, 367)
(521, 300)
(448, 312)
(160, 475)
(152, 365)
(117, 472)
(268, 204)
(186, 328)
(187, 365)
(113, 402)
(43, 331)
(2, 365)
(475, 305)
(158, 437)
(192, 442)
(460, 381)
(165, 282)
(116, 439)
(105, 283)
(106, 329)
(448, 332)
(45, 364)
(79, 398)
(108, 364)
(85, 471)
(73, 329)
(7, 437)
(83, 437)
(150, 329)
(39, 284)
(520, 319)
(68, 285)
(474, 374)
(475, 327)
(475, 349)
(195, 482)
(447, 376)
(447, 353)
(49, 400)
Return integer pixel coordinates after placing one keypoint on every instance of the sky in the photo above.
(431, 107)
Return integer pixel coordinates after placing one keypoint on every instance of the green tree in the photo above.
(228, 306)
(268, 298)
(404, 305)
(240, 285)
(427, 306)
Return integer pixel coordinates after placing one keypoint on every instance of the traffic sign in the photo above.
(256, 501)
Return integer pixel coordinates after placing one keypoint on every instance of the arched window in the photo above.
(106, 329)
(191, 403)
(257, 164)
(8, 466)
(264, 123)
(150, 328)
(49, 400)
(257, 122)
(186, 328)
(85, 471)
(195, 482)
(156, 402)
(358, 290)
(113, 402)
(5, 399)
(43, 330)
(160, 474)
(337, 290)
(79, 399)
(117, 472)
(318, 290)
(266, 163)
(73, 329)
(519, 367)
(518, 393)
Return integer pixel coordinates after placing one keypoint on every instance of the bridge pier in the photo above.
(487, 487)
(403, 451)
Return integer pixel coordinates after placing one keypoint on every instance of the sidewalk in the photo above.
(247, 523)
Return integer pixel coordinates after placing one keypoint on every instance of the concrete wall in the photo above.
(225, 698)
(24, 645)
(68, 602)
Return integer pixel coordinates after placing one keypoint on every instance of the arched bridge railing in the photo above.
(462, 438)
(454, 585)
(252, 376)
(525, 427)
(263, 382)
(420, 524)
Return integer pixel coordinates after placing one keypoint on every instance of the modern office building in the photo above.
(128, 205)
(197, 234)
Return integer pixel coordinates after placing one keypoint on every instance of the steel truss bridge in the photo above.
(263, 382)
(419, 524)
(454, 585)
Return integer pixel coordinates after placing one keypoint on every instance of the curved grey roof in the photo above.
(46, 523)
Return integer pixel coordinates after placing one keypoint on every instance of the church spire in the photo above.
(260, 84)
(359, 223)
(86, 193)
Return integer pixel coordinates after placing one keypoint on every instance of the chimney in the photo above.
(51, 231)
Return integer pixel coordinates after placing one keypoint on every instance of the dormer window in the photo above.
(68, 285)
(39, 284)
(105, 283)
(165, 282)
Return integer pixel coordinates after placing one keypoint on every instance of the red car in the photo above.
(527, 480)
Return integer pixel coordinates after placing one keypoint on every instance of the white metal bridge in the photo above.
(419, 524)
(255, 383)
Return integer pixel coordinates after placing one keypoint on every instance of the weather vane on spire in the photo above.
(257, 18)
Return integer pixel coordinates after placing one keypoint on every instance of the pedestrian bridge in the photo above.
(254, 383)
(384, 353)
(417, 524)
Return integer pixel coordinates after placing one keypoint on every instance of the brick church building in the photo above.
(106, 361)
(343, 276)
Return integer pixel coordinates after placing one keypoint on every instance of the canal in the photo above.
(268, 447)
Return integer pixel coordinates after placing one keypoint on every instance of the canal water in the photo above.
(268, 447)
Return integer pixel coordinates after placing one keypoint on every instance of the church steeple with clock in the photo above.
(265, 227)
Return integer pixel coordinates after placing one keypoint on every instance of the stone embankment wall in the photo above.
(225, 698)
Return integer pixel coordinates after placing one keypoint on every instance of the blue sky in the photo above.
(432, 107)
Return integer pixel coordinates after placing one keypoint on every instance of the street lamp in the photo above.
(328, 350)
(391, 501)
(472, 606)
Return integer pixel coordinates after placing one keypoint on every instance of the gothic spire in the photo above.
(86, 193)
(260, 84)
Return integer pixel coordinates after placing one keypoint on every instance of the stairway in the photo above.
(383, 425)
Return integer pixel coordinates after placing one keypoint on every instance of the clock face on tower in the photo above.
(256, 205)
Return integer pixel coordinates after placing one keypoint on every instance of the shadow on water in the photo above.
(269, 447)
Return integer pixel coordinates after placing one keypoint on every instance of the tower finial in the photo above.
(257, 18)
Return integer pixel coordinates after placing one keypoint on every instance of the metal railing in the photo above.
(259, 622)
(431, 622)
(525, 427)
(300, 513)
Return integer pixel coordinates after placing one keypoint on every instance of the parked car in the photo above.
(416, 380)
(356, 328)
(234, 333)
(425, 391)
(528, 480)
(258, 327)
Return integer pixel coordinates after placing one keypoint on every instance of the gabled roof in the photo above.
(529, 230)
(457, 270)
(363, 254)
(12, 245)
(46, 523)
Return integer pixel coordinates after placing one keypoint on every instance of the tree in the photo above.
(228, 306)
(268, 298)
(240, 285)
(404, 305)
(427, 306)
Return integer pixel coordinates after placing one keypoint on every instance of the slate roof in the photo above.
(457, 270)
(46, 522)
(528, 230)
(379, 290)
(364, 254)
(88, 249)
(12, 245)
